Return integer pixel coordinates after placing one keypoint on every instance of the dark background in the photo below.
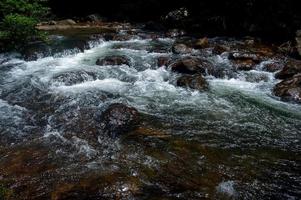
(274, 19)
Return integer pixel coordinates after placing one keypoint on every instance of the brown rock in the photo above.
(219, 49)
(119, 119)
(202, 43)
(289, 89)
(181, 49)
(196, 82)
(190, 65)
(291, 68)
(244, 61)
(163, 61)
(113, 60)
(273, 67)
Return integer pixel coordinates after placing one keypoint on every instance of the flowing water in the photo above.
(234, 141)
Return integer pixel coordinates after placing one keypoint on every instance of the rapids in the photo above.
(234, 141)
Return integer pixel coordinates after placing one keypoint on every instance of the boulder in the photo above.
(179, 48)
(290, 69)
(196, 82)
(118, 119)
(244, 61)
(163, 61)
(202, 43)
(289, 89)
(191, 65)
(113, 60)
(272, 67)
(219, 49)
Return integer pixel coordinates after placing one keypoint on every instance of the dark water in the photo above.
(235, 141)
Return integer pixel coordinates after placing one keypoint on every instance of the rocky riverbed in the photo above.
(125, 113)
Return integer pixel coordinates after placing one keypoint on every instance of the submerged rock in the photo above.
(289, 89)
(292, 68)
(119, 119)
(197, 82)
(113, 60)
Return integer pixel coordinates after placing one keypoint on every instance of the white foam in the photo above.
(108, 85)
(226, 188)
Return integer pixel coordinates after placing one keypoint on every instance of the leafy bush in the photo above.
(18, 30)
(18, 26)
(29, 8)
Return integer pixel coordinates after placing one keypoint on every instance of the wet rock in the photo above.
(181, 49)
(244, 61)
(202, 43)
(272, 67)
(163, 61)
(291, 68)
(289, 89)
(191, 65)
(219, 49)
(72, 78)
(113, 60)
(122, 37)
(119, 119)
(196, 82)
(244, 56)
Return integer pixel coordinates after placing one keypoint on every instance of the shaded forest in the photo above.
(272, 19)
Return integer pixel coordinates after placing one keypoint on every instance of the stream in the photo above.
(234, 141)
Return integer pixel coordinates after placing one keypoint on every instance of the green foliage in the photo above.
(18, 30)
(18, 26)
(29, 8)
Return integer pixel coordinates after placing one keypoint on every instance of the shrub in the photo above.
(18, 30)
(29, 8)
